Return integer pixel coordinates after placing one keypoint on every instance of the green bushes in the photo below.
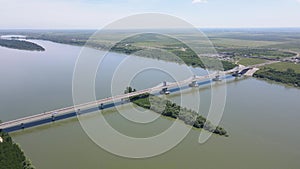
(19, 44)
(288, 77)
(125, 48)
(257, 52)
(170, 109)
(154, 41)
(11, 156)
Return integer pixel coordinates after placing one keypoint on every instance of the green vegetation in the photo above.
(288, 76)
(129, 90)
(283, 72)
(251, 61)
(123, 47)
(228, 42)
(259, 43)
(151, 45)
(132, 45)
(283, 66)
(20, 44)
(252, 38)
(248, 45)
(256, 53)
(11, 156)
(60, 38)
(170, 109)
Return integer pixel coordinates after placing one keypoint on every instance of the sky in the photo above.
(94, 14)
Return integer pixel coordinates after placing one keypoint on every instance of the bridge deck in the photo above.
(66, 110)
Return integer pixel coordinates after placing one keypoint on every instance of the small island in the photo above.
(172, 110)
(11, 155)
(20, 44)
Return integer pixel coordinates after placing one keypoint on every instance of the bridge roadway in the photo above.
(51, 115)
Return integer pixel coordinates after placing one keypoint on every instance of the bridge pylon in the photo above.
(78, 111)
(53, 117)
(165, 89)
(217, 78)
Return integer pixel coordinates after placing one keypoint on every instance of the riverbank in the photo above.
(286, 73)
(145, 45)
(288, 77)
(249, 105)
(185, 55)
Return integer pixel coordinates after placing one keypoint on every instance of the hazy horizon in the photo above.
(95, 14)
(94, 29)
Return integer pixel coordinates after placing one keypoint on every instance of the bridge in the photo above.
(73, 111)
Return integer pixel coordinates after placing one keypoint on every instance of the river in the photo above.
(261, 118)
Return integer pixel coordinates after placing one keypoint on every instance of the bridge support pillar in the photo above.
(22, 125)
(236, 74)
(78, 112)
(194, 84)
(164, 90)
(53, 117)
(217, 78)
(101, 106)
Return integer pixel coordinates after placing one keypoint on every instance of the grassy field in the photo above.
(235, 43)
(144, 44)
(262, 43)
(250, 39)
(283, 66)
(250, 61)
(240, 43)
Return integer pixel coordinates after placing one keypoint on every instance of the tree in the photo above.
(129, 90)
(290, 71)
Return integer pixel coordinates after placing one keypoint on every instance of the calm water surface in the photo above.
(261, 118)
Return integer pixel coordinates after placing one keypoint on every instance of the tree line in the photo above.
(170, 109)
(20, 44)
(287, 77)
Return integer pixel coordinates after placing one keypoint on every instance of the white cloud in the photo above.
(203, 1)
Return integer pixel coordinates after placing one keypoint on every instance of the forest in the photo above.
(20, 44)
(11, 155)
(289, 76)
(172, 110)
